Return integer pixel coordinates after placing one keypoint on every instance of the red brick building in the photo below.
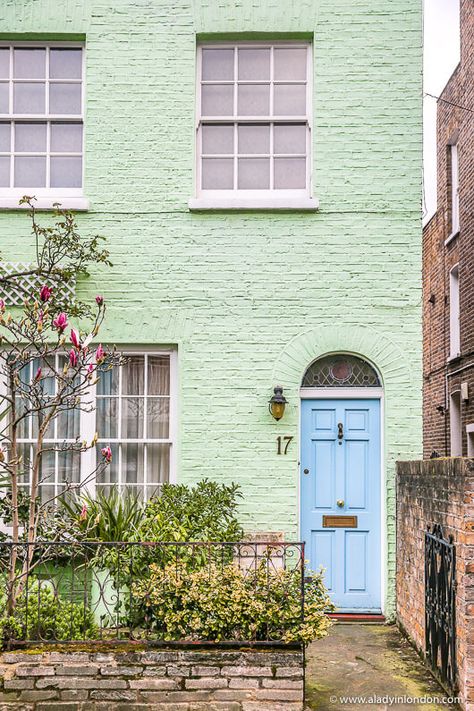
(448, 267)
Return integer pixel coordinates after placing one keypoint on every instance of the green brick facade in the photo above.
(250, 299)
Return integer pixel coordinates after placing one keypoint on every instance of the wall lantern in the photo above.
(277, 403)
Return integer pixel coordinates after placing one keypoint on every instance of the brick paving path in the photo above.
(369, 661)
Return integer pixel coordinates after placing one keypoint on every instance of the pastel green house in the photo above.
(256, 169)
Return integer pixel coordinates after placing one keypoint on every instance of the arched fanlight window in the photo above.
(338, 370)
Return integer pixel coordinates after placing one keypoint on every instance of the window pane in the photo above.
(158, 375)
(289, 100)
(29, 98)
(217, 64)
(217, 100)
(254, 173)
(132, 463)
(4, 98)
(132, 417)
(47, 468)
(217, 173)
(4, 137)
(68, 467)
(107, 417)
(65, 98)
(133, 376)
(30, 172)
(29, 63)
(4, 171)
(288, 138)
(254, 99)
(254, 64)
(66, 137)
(290, 173)
(108, 474)
(254, 138)
(65, 63)
(30, 137)
(47, 494)
(4, 63)
(217, 139)
(66, 172)
(289, 63)
(158, 464)
(108, 382)
(158, 415)
(68, 424)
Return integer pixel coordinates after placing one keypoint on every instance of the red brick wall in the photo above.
(437, 492)
(438, 258)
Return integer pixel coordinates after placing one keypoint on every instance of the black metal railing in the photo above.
(440, 605)
(154, 592)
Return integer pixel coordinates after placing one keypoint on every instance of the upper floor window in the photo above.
(454, 179)
(41, 122)
(454, 313)
(254, 125)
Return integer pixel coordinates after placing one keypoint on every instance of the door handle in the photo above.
(340, 431)
(305, 471)
(340, 503)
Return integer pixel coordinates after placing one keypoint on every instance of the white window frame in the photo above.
(455, 424)
(454, 314)
(453, 148)
(69, 198)
(299, 199)
(87, 429)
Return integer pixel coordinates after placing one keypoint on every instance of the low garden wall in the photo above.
(430, 492)
(270, 679)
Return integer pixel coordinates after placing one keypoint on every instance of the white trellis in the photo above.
(13, 292)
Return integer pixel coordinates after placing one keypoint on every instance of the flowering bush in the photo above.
(218, 602)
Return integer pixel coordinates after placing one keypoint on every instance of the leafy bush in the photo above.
(40, 614)
(114, 516)
(224, 602)
(204, 512)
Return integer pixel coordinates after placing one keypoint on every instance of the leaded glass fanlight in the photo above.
(344, 371)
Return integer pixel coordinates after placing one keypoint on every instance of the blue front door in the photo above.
(340, 498)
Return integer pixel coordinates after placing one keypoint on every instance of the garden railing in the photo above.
(152, 592)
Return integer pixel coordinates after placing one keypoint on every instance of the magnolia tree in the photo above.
(48, 364)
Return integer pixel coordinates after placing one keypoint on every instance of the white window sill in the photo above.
(452, 236)
(453, 357)
(46, 203)
(244, 203)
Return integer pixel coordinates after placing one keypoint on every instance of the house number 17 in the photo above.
(282, 444)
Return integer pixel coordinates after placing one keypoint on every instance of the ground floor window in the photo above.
(132, 409)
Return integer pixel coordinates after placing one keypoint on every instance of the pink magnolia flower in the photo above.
(99, 300)
(90, 370)
(107, 454)
(45, 293)
(75, 338)
(99, 354)
(83, 514)
(37, 375)
(73, 357)
(2, 305)
(60, 322)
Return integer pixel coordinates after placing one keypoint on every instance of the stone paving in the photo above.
(374, 662)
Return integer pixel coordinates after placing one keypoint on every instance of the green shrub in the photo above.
(204, 512)
(40, 614)
(224, 602)
(111, 516)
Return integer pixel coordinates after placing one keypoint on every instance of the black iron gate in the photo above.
(440, 605)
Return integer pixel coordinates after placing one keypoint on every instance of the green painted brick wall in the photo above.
(250, 299)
